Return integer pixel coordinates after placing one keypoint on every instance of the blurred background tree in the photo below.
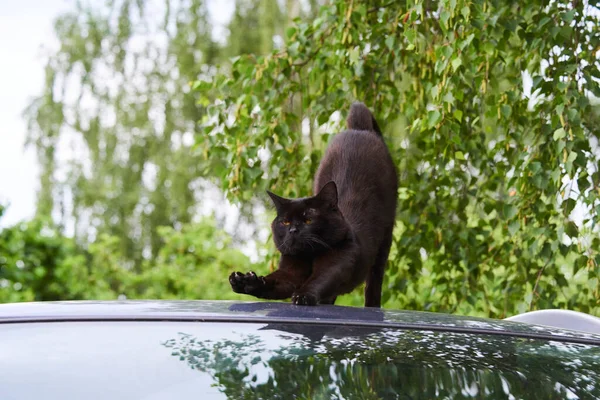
(117, 96)
(499, 180)
(490, 110)
(114, 129)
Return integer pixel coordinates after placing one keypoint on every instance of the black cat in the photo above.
(334, 241)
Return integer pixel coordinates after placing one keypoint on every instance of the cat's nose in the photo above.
(293, 229)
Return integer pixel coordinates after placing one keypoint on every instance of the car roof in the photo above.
(278, 312)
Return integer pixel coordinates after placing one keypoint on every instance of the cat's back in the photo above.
(360, 164)
(355, 147)
(357, 159)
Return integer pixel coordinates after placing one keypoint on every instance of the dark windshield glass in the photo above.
(153, 360)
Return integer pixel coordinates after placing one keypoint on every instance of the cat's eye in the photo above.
(308, 221)
(285, 222)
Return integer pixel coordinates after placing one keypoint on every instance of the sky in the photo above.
(25, 35)
(24, 27)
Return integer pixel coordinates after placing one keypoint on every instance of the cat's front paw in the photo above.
(304, 299)
(247, 283)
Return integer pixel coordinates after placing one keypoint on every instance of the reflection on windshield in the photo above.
(325, 362)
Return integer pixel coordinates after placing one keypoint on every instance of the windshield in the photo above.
(167, 360)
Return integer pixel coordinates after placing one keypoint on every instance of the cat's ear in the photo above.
(328, 195)
(279, 202)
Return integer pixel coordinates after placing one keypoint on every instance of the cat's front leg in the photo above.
(248, 283)
(304, 298)
(334, 273)
(280, 284)
(276, 286)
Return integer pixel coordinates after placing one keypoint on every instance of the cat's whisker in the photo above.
(320, 241)
(312, 240)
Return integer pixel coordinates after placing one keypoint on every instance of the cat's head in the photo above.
(307, 226)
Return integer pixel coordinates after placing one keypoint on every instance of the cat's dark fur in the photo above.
(332, 242)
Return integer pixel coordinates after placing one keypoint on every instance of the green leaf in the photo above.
(458, 115)
(254, 172)
(509, 211)
(571, 229)
(322, 118)
(459, 155)
(560, 280)
(568, 16)
(556, 176)
(559, 134)
(444, 17)
(466, 42)
(489, 48)
(544, 21)
(513, 227)
(569, 205)
(290, 32)
(465, 11)
(535, 167)
(449, 98)
(580, 262)
(456, 63)
(389, 42)
(433, 117)
(573, 116)
(410, 35)
(434, 92)
(353, 54)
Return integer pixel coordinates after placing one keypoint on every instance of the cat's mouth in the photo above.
(290, 246)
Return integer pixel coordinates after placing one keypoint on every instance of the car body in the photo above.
(274, 350)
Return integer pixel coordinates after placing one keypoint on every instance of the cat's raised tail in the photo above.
(361, 119)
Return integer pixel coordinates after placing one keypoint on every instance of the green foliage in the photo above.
(38, 263)
(113, 128)
(261, 20)
(33, 257)
(490, 174)
(193, 263)
(118, 93)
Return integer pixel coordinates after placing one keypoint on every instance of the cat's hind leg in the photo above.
(330, 300)
(376, 272)
(333, 273)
